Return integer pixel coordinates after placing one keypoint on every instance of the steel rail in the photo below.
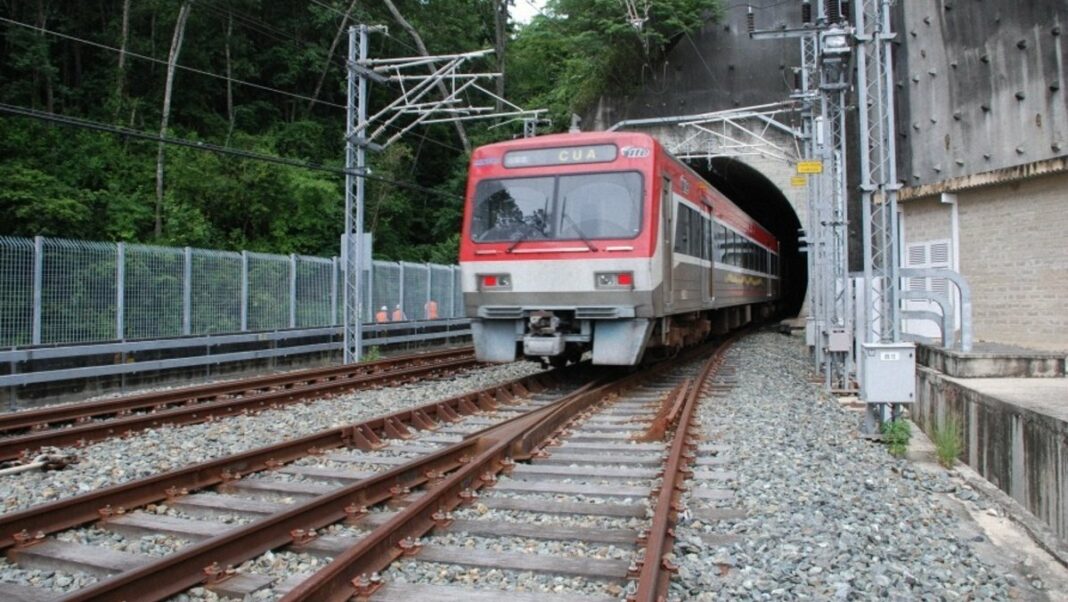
(186, 568)
(499, 447)
(654, 566)
(253, 400)
(31, 524)
(14, 421)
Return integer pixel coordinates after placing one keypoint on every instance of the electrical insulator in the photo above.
(806, 12)
(833, 11)
(750, 20)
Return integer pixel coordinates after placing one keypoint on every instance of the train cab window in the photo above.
(512, 209)
(586, 206)
(605, 205)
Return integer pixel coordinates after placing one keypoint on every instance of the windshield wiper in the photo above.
(581, 234)
(527, 231)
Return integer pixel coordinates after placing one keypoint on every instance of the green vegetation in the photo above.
(373, 354)
(78, 183)
(580, 50)
(948, 442)
(897, 433)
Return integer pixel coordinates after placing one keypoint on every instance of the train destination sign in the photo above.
(537, 157)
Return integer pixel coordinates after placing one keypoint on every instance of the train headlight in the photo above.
(614, 280)
(494, 282)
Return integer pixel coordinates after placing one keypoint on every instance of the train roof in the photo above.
(569, 139)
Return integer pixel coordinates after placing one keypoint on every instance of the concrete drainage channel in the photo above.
(364, 495)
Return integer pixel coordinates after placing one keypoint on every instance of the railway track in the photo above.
(362, 497)
(23, 433)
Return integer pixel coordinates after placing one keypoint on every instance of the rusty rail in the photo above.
(499, 447)
(198, 404)
(466, 460)
(83, 509)
(186, 568)
(655, 567)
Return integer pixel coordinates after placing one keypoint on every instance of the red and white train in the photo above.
(604, 242)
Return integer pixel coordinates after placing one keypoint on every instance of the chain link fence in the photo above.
(57, 291)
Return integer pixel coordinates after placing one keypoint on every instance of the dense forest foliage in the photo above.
(269, 77)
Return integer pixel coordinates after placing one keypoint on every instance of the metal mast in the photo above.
(834, 55)
(432, 89)
(878, 170)
(355, 166)
(825, 76)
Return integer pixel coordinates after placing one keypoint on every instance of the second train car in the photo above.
(604, 242)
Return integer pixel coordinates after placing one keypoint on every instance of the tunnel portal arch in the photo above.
(760, 183)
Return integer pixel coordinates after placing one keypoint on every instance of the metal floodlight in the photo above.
(835, 42)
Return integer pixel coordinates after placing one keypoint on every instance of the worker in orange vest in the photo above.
(382, 315)
(431, 309)
(398, 314)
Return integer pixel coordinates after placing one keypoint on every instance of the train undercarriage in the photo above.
(558, 336)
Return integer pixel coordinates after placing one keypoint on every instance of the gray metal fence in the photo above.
(56, 291)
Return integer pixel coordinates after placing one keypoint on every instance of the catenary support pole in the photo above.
(187, 291)
(120, 291)
(38, 282)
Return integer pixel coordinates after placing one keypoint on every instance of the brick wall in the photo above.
(926, 219)
(1014, 253)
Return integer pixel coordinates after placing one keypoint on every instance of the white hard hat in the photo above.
(383, 308)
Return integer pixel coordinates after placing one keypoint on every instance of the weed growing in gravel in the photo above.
(948, 442)
(897, 434)
(372, 355)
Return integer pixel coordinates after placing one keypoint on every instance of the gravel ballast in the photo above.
(829, 515)
(158, 450)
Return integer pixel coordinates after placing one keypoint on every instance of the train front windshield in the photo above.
(571, 207)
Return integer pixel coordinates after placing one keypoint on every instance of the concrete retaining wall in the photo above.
(1022, 452)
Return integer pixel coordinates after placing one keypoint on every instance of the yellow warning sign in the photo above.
(806, 167)
(798, 181)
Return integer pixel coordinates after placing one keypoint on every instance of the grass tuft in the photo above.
(897, 433)
(948, 442)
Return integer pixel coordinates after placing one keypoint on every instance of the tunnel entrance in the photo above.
(760, 198)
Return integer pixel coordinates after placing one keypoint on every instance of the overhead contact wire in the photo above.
(207, 146)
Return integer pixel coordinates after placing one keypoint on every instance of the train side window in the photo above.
(721, 242)
(706, 248)
(682, 230)
(696, 230)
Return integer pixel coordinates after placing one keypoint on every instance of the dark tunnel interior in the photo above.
(760, 198)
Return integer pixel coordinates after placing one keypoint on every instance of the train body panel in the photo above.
(603, 242)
